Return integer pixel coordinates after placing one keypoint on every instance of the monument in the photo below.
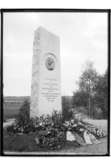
(45, 87)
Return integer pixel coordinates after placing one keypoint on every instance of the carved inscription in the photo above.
(50, 89)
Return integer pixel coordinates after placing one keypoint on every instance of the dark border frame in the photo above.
(108, 12)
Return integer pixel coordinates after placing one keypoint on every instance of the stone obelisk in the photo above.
(45, 87)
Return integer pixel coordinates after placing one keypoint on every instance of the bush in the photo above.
(79, 113)
(66, 105)
(24, 114)
(98, 113)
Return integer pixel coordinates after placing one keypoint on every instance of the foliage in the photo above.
(66, 105)
(52, 138)
(88, 79)
(49, 129)
(92, 93)
(24, 114)
(101, 96)
(80, 98)
(57, 119)
(98, 113)
(80, 110)
(80, 126)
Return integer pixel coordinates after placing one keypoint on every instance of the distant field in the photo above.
(12, 105)
(11, 111)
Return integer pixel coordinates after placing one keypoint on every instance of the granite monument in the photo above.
(45, 86)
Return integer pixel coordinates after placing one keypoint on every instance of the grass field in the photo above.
(26, 143)
(11, 111)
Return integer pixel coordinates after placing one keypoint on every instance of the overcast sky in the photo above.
(83, 37)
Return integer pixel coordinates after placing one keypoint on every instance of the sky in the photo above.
(83, 37)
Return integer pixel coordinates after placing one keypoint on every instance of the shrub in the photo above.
(98, 113)
(24, 114)
(79, 113)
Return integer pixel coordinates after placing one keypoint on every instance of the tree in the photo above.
(87, 84)
(101, 96)
(80, 98)
(88, 79)
(93, 92)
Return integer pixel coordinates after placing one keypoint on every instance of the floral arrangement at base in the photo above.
(52, 132)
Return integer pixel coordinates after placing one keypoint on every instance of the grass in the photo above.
(26, 143)
(99, 123)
